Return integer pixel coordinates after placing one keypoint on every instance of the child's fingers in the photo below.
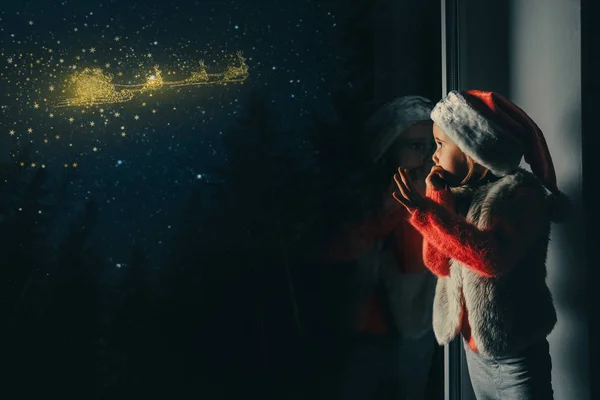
(408, 185)
(409, 182)
(403, 189)
(401, 200)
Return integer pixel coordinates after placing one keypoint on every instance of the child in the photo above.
(391, 296)
(486, 226)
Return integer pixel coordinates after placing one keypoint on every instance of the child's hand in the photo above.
(437, 178)
(409, 197)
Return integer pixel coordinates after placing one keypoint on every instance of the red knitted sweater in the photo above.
(489, 252)
(358, 240)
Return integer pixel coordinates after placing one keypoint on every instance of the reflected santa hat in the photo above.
(497, 134)
(393, 119)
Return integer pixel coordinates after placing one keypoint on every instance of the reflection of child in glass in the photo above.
(486, 226)
(392, 291)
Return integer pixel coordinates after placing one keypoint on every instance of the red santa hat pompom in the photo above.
(496, 133)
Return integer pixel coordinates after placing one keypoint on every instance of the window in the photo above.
(170, 174)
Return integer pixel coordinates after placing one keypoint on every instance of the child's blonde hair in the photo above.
(471, 178)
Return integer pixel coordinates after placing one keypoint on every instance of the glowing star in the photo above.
(51, 115)
(117, 115)
(29, 130)
(136, 117)
(9, 60)
(11, 132)
(51, 88)
(95, 149)
(43, 165)
(155, 81)
(101, 110)
(30, 23)
(61, 60)
(92, 123)
(33, 165)
(22, 164)
(71, 119)
(107, 65)
(93, 50)
(36, 105)
(117, 38)
(66, 165)
(75, 165)
(57, 137)
(123, 134)
(46, 140)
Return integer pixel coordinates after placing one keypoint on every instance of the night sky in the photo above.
(139, 158)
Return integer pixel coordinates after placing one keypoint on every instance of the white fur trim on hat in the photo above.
(391, 120)
(477, 136)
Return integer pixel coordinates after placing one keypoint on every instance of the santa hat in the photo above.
(496, 134)
(391, 120)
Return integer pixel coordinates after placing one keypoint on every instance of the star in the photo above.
(92, 50)
(75, 165)
(71, 119)
(153, 111)
(66, 165)
(46, 140)
(11, 132)
(92, 123)
(51, 88)
(36, 105)
(32, 165)
(57, 137)
(107, 65)
(136, 117)
(95, 149)
(75, 30)
(22, 164)
(101, 110)
(117, 38)
(123, 134)
(30, 23)
(61, 60)
(29, 130)
(9, 60)
(117, 115)
(43, 165)
(51, 115)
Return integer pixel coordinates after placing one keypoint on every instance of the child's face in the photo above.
(414, 147)
(448, 156)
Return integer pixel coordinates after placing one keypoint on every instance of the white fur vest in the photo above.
(506, 313)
